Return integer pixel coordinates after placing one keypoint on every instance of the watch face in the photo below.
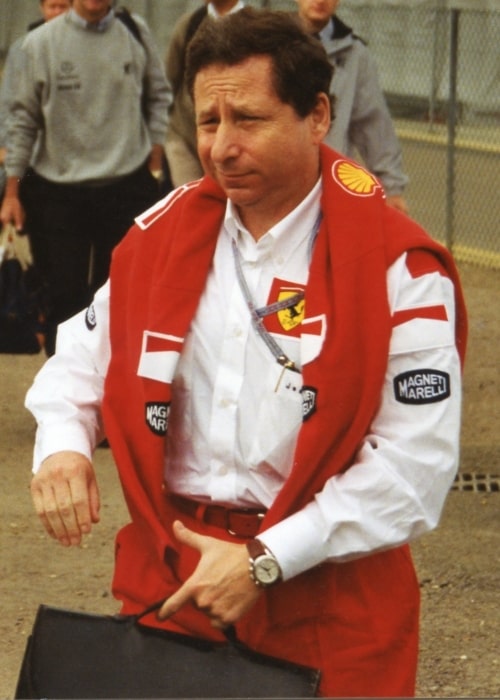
(266, 570)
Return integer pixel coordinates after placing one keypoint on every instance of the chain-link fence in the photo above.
(440, 70)
(439, 65)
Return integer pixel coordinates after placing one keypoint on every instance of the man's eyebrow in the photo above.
(204, 113)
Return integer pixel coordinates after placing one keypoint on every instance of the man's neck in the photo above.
(91, 17)
(258, 220)
(313, 26)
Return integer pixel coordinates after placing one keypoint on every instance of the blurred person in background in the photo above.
(49, 10)
(84, 146)
(181, 146)
(362, 123)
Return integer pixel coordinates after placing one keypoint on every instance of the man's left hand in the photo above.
(156, 156)
(220, 586)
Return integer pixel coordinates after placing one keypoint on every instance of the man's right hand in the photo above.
(66, 496)
(12, 210)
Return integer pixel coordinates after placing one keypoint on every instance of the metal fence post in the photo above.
(452, 123)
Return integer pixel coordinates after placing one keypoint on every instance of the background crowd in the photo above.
(82, 157)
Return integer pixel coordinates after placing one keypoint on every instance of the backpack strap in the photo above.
(126, 18)
(196, 19)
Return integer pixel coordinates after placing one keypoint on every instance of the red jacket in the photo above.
(350, 619)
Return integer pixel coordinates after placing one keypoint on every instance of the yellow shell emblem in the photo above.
(354, 178)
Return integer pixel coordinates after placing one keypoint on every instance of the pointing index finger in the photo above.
(175, 602)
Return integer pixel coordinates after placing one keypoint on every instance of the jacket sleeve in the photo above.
(66, 395)
(10, 75)
(396, 487)
(371, 129)
(24, 86)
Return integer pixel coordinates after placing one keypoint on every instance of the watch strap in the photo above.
(256, 549)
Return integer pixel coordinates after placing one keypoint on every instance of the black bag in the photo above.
(21, 296)
(80, 655)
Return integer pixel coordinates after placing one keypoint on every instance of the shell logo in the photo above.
(354, 179)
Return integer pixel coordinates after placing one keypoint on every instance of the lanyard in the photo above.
(258, 314)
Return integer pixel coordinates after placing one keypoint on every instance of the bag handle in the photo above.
(229, 632)
(151, 608)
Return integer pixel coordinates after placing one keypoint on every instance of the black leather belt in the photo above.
(240, 522)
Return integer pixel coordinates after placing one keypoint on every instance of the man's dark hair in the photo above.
(301, 68)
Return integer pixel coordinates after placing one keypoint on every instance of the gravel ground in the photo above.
(457, 565)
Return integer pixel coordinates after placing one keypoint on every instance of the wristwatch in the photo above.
(264, 567)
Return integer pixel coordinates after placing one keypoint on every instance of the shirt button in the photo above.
(223, 471)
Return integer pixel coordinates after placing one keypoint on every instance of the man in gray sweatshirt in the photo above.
(49, 9)
(84, 146)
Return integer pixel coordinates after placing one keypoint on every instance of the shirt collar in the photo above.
(213, 12)
(327, 32)
(284, 236)
(100, 26)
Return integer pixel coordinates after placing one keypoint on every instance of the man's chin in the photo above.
(237, 188)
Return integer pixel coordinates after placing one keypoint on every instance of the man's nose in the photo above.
(225, 144)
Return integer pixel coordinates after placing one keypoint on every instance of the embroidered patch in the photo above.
(90, 318)
(309, 395)
(354, 179)
(159, 356)
(157, 416)
(292, 316)
(421, 386)
(287, 320)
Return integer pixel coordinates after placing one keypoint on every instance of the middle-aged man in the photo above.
(90, 118)
(276, 364)
(363, 124)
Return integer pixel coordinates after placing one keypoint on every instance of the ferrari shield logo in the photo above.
(287, 318)
(292, 316)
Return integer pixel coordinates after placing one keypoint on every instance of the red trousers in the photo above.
(356, 621)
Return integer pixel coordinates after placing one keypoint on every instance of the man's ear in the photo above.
(320, 117)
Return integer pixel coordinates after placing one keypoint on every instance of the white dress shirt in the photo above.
(231, 435)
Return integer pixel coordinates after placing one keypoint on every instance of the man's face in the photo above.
(264, 156)
(92, 10)
(53, 8)
(317, 12)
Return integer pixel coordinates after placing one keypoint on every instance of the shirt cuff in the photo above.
(298, 542)
(52, 439)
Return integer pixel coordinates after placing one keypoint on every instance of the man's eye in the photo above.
(208, 121)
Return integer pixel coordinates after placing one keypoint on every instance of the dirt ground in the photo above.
(458, 564)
